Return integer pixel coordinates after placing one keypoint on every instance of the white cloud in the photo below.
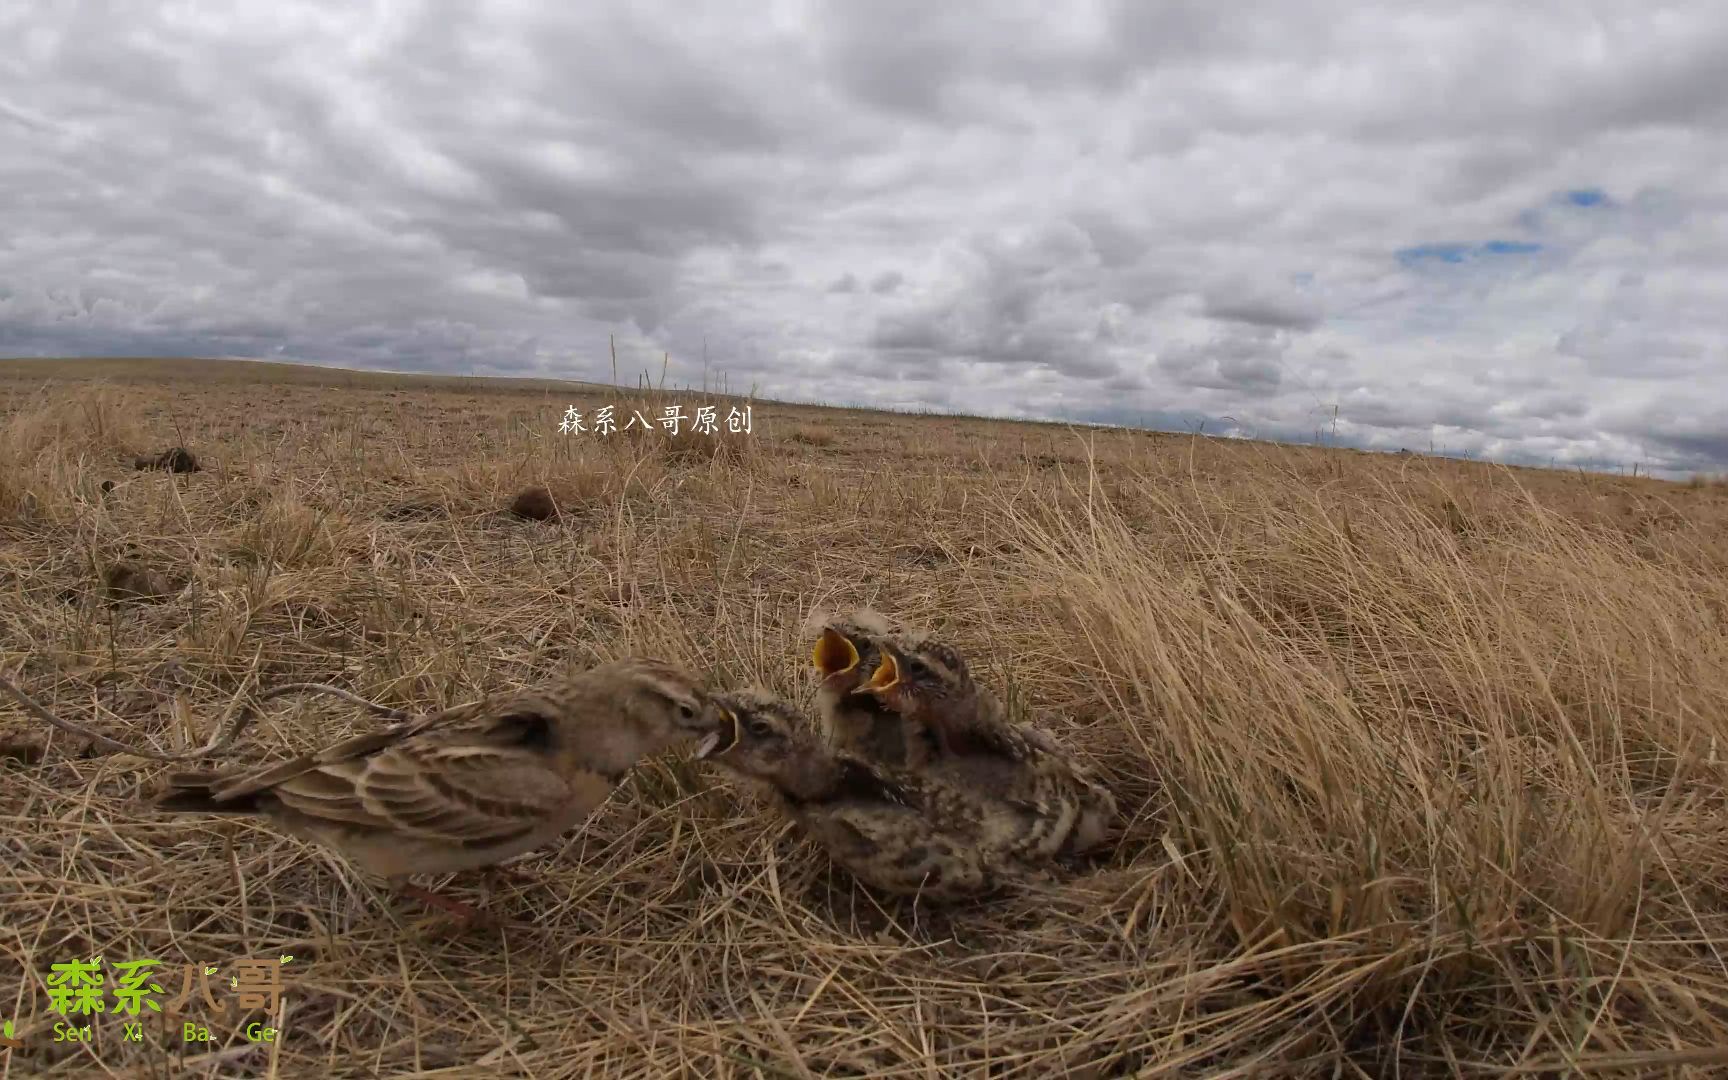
(1501, 230)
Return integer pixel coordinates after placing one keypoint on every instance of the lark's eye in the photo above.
(758, 726)
(685, 712)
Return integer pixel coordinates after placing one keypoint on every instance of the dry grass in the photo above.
(1422, 760)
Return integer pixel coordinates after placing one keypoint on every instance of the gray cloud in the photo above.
(1501, 232)
(887, 282)
(1276, 307)
(1246, 360)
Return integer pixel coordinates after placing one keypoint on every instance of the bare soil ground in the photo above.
(1422, 762)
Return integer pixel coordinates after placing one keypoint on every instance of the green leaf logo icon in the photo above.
(287, 959)
(210, 971)
(6, 1030)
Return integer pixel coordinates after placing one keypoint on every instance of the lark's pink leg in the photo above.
(467, 914)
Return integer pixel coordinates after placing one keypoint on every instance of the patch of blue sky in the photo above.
(1460, 253)
(1511, 247)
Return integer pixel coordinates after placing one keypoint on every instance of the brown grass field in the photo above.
(1422, 762)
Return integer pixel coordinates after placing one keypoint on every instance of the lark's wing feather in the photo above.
(897, 850)
(1053, 801)
(471, 795)
(1061, 806)
(248, 791)
(904, 832)
(461, 776)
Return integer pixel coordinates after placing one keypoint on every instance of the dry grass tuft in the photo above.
(1421, 761)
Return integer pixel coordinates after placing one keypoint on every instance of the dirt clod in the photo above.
(534, 503)
(175, 459)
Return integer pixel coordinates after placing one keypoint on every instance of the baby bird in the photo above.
(971, 741)
(844, 655)
(897, 831)
(471, 786)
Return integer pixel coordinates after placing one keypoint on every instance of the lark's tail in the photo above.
(198, 793)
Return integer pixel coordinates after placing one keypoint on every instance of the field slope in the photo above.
(1422, 762)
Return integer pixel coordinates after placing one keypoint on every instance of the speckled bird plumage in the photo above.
(960, 731)
(896, 830)
(470, 786)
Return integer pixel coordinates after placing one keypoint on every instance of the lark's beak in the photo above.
(718, 742)
(885, 678)
(834, 653)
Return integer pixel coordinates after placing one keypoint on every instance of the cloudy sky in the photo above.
(1487, 228)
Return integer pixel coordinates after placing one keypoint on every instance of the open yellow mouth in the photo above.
(834, 654)
(886, 677)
